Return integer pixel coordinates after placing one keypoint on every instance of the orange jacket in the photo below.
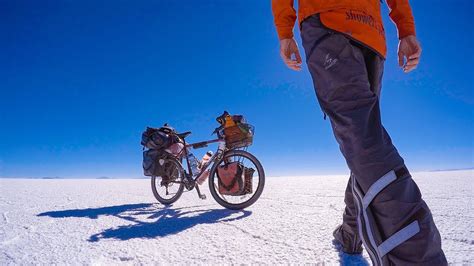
(361, 19)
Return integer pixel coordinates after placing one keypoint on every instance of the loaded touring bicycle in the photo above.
(236, 177)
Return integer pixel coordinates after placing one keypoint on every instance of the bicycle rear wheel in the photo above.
(239, 200)
(169, 187)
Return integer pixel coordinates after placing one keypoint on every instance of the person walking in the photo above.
(345, 48)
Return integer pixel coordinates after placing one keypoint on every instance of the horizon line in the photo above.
(302, 175)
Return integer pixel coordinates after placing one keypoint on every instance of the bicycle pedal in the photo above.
(202, 196)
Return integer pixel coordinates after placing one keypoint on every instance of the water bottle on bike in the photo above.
(205, 159)
(193, 163)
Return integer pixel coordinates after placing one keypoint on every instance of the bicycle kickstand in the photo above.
(201, 196)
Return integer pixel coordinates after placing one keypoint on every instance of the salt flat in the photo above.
(116, 221)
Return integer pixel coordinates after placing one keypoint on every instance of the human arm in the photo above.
(284, 16)
(409, 53)
(409, 49)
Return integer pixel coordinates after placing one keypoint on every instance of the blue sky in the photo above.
(80, 80)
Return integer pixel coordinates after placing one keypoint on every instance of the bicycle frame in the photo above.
(198, 145)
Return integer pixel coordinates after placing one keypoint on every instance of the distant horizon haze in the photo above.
(275, 176)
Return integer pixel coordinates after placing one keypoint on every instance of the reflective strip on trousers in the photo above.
(376, 252)
(361, 224)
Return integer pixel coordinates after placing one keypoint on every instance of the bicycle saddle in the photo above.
(184, 134)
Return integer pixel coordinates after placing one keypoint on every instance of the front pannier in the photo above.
(231, 178)
(248, 174)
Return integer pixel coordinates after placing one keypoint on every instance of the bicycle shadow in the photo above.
(166, 221)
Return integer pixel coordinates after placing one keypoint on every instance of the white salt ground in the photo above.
(119, 222)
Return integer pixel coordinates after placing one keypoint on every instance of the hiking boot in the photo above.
(350, 244)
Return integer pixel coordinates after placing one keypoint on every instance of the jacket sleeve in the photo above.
(284, 16)
(401, 14)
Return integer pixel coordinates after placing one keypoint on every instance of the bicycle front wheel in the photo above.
(253, 181)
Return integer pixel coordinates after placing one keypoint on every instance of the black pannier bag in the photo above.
(150, 163)
(153, 138)
(153, 162)
(157, 140)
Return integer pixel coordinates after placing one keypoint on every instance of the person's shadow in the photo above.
(165, 221)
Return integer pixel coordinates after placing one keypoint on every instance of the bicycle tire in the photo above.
(180, 189)
(255, 196)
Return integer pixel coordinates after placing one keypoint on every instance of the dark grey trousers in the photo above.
(384, 208)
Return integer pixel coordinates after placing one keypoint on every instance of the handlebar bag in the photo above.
(231, 179)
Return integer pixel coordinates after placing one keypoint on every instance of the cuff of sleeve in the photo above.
(285, 32)
(405, 30)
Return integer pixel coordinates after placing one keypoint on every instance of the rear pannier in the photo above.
(160, 143)
(153, 163)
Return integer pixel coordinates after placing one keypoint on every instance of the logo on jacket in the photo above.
(329, 62)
